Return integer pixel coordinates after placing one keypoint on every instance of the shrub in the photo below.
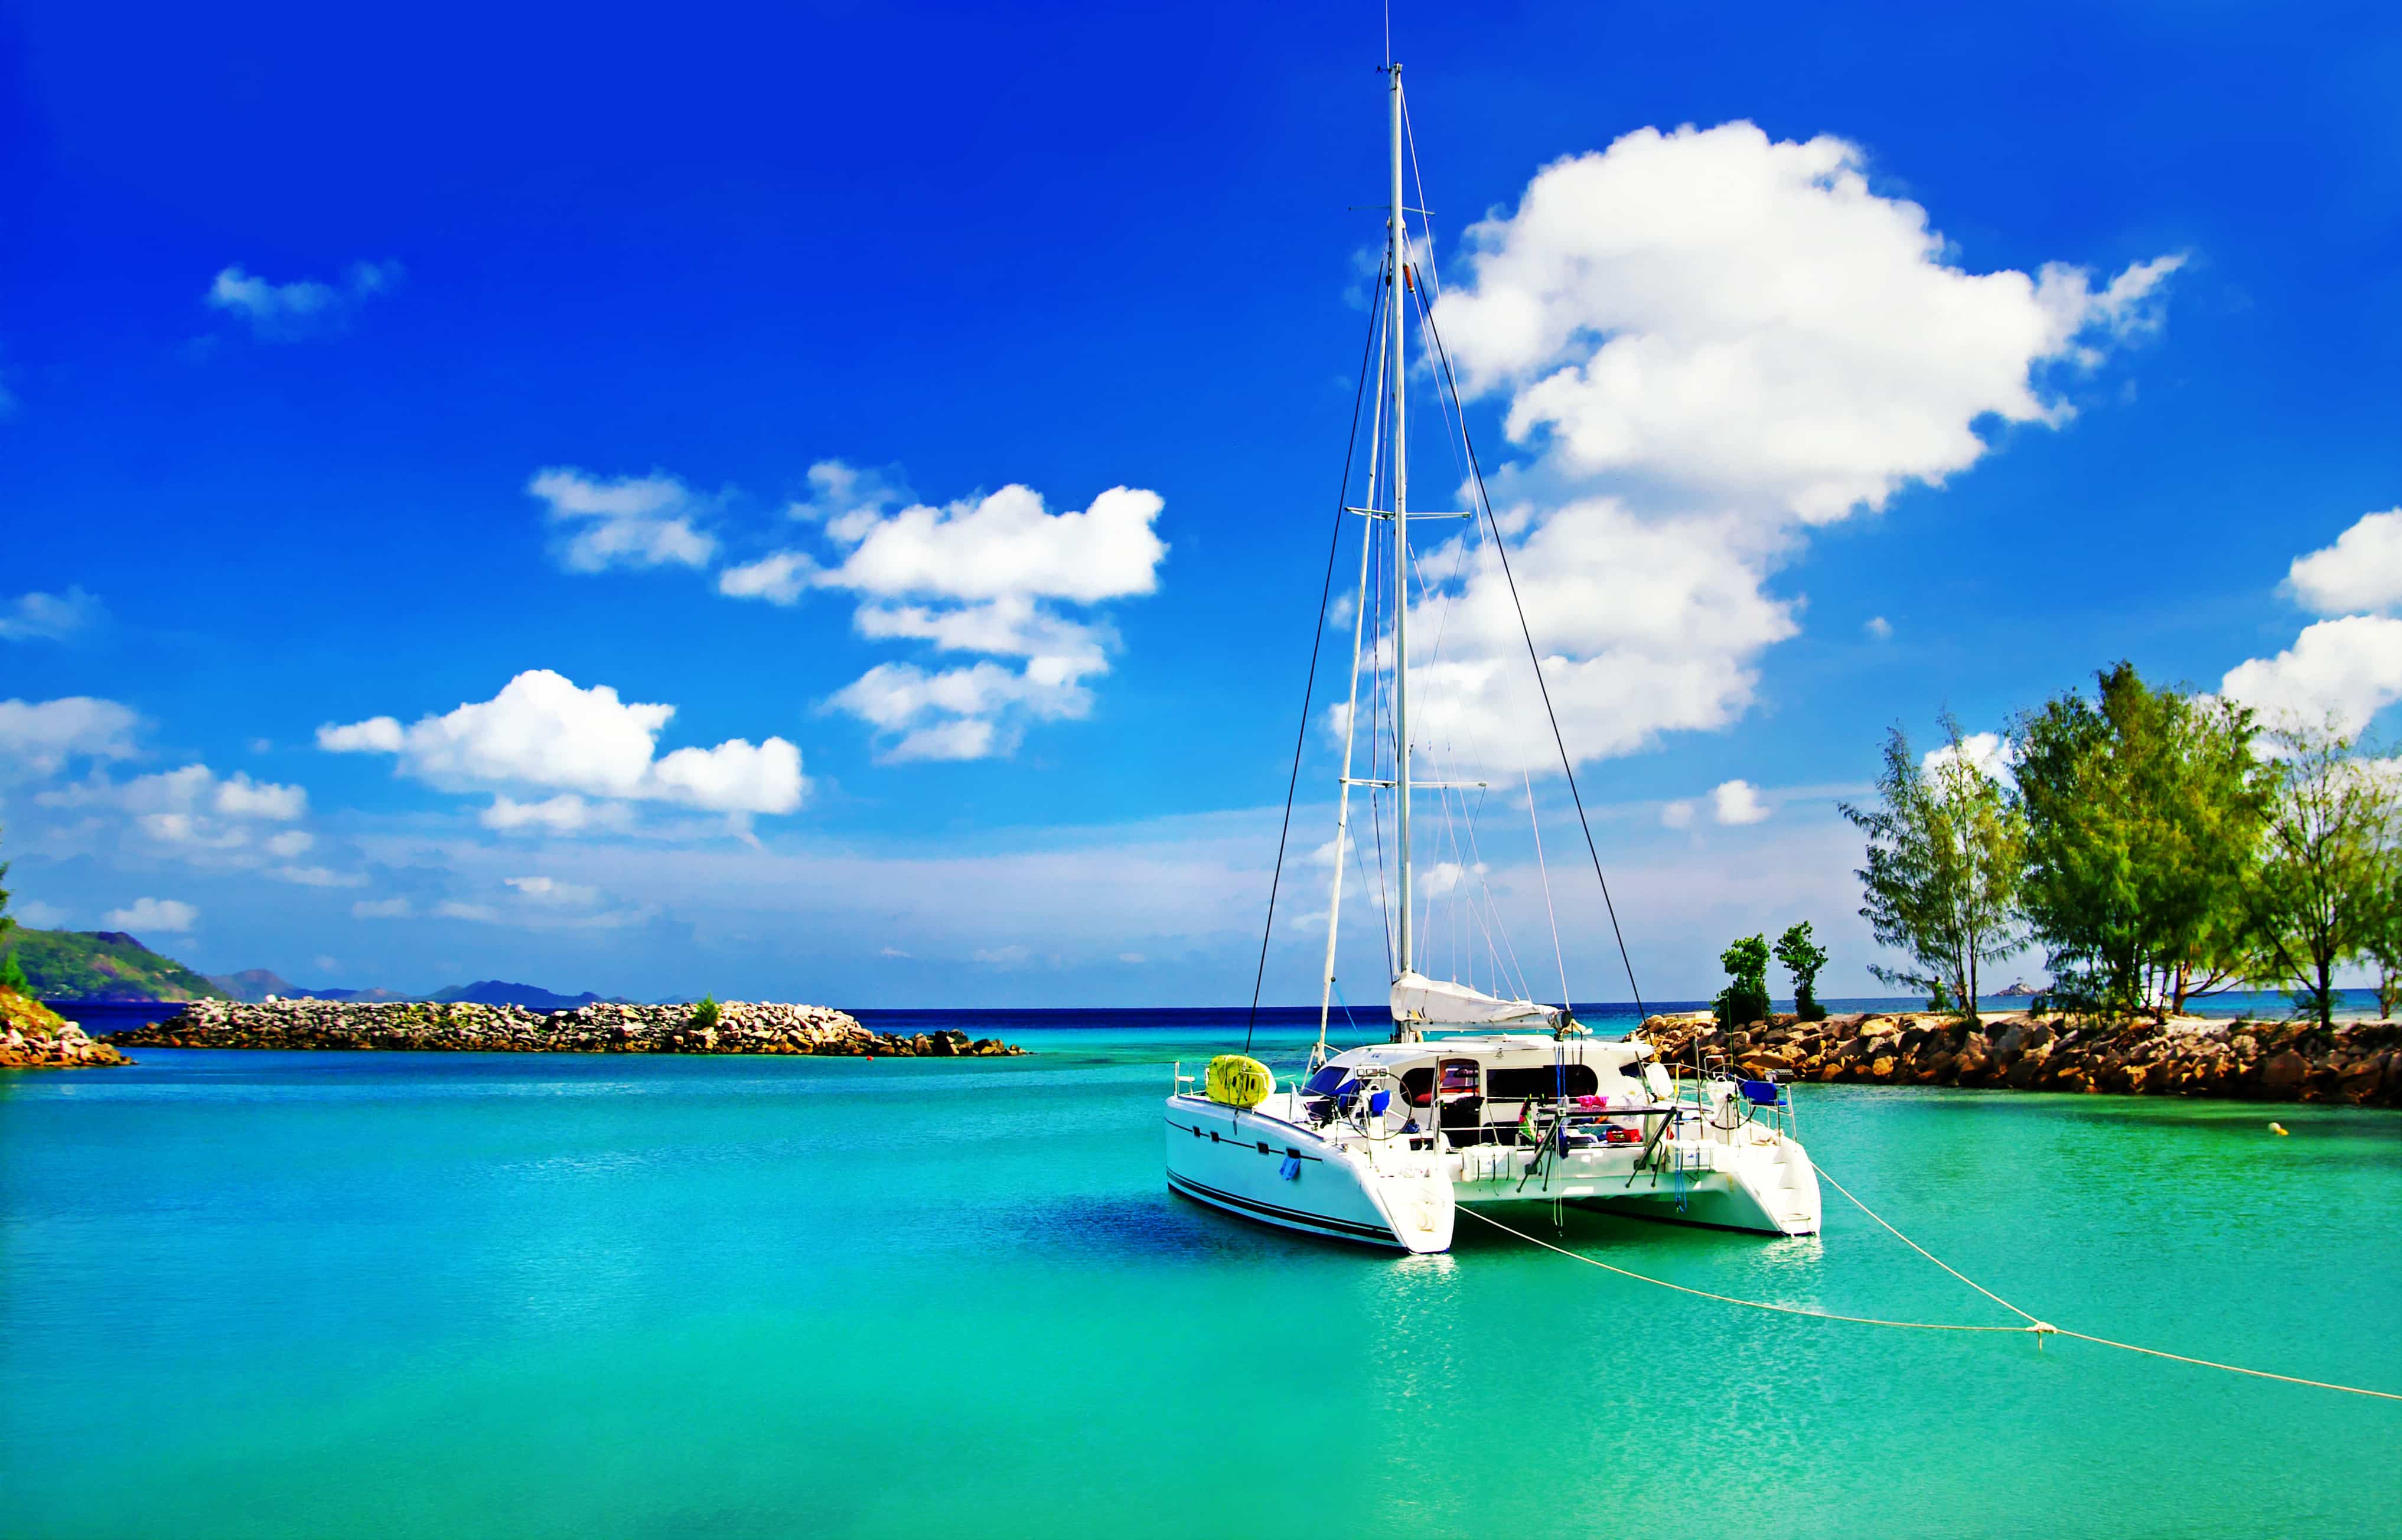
(704, 1015)
(1744, 999)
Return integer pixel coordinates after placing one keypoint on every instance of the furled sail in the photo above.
(1435, 1001)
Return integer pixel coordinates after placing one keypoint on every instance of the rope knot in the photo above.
(2044, 1326)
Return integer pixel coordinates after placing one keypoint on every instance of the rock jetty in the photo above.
(2359, 1063)
(738, 1028)
(34, 1036)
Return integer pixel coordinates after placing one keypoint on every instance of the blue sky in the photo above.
(357, 372)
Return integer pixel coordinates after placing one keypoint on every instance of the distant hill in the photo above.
(533, 997)
(256, 984)
(252, 984)
(103, 965)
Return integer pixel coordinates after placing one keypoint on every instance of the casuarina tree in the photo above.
(2326, 889)
(1802, 957)
(1944, 849)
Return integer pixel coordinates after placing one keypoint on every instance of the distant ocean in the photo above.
(1609, 1016)
(267, 1296)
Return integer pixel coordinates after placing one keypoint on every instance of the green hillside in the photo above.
(102, 965)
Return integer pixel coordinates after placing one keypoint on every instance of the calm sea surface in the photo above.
(248, 1294)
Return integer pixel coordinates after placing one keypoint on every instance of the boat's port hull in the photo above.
(1259, 1167)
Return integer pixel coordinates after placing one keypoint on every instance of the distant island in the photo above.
(111, 964)
(102, 965)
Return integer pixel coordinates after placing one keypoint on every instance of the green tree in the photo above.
(2326, 888)
(704, 1015)
(11, 975)
(1802, 957)
(2383, 946)
(1744, 999)
(1944, 851)
(2144, 810)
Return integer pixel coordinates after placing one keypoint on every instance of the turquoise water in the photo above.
(316, 1295)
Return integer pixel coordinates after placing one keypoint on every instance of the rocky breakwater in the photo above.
(732, 1027)
(34, 1036)
(2357, 1062)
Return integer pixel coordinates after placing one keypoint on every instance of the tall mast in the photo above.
(1397, 312)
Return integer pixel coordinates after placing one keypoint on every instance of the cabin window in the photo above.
(1544, 1082)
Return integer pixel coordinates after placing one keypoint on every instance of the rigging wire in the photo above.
(1557, 956)
(1501, 548)
(1309, 688)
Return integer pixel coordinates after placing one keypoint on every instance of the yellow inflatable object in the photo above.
(1239, 1081)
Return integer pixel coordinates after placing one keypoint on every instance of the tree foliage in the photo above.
(2144, 810)
(1944, 850)
(2326, 889)
(1802, 957)
(12, 977)
(1744, 999)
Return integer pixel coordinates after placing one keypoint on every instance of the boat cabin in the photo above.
(1492, 1089)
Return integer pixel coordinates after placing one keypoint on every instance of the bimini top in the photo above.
(1419, 999)
(1507, 1049)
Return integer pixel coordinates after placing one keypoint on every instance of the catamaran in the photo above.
(1478, 1096)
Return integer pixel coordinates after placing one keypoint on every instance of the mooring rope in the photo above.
(1729, 1299)
(2040, 1330)
(1920, 1249)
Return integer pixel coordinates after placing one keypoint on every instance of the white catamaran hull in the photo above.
(1264, 1164)
(1238, 1160)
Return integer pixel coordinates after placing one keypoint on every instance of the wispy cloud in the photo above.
(304, 307)
(49, 617)
(170, 915)
(623, 521)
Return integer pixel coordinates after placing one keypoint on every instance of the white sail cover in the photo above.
(1435, 1001)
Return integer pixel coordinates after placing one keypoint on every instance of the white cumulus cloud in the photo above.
(2344, 670)
(1737, 802)
(1007, 545)
(1988, 751)
(998, 575)
(623, 521)
(1708, 342)
(2361, 572)
(170, 915)
(543, 731)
